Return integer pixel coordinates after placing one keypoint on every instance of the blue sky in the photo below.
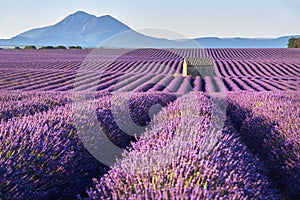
(191, 18)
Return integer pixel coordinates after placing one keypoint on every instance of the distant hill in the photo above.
(88, 30)
(79, 28)
(214, 42)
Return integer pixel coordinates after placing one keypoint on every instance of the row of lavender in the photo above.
(64, 81)
(238, 69)
(216, 54)
(278, 65)
(19, 104)
(256, 155)
(41, 152)
(106, 82)
(269, 124)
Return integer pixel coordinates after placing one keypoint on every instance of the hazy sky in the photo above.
(191, 18)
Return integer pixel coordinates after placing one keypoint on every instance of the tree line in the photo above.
(49, 47)
(294, 43)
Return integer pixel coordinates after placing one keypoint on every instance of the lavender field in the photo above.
(234, 134)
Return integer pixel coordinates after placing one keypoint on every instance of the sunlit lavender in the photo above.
(128, 124)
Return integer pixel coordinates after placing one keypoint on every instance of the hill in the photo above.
(87, 30)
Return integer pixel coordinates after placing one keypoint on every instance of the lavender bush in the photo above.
(229, 171)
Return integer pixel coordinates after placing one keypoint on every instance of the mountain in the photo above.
(88, 30)
(79, 28)
(215, 42)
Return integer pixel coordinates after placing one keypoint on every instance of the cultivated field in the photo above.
(232, 135)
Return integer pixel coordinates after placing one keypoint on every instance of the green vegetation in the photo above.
(75, 47)
(52, 47)
(60, 47)
(30, 47)
(47, 47)
(294, 43)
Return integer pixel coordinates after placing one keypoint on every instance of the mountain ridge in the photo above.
(79, 28)
(84, 29)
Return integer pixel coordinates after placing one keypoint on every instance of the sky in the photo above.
(188, 18)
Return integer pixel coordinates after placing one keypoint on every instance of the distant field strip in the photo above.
(145, 70)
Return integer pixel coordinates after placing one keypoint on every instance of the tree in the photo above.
(29, 47)
(47, 47)
(60, 47)
(294, 43)
(75, 47)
